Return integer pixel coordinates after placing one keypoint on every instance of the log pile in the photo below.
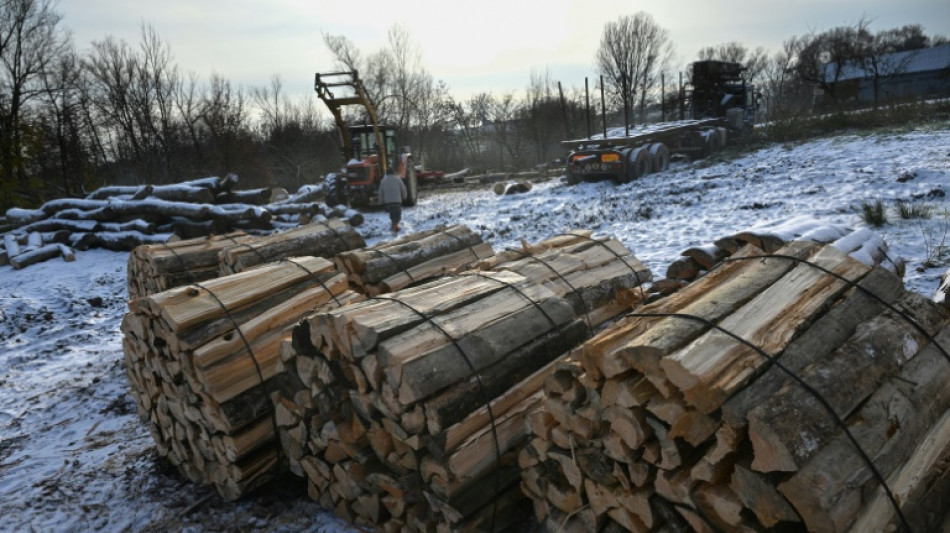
(121, 218)
(664, 422)
(411, 259)
(390, 421)
(318, 239)
(201, 361)
(862, 244)
(34, 247)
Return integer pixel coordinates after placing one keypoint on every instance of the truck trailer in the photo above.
(721, 104)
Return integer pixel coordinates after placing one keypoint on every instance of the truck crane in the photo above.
(369, 149)
(722, 105)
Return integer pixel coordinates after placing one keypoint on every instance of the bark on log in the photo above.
(319, 240)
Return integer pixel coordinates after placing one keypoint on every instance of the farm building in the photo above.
(913, 74)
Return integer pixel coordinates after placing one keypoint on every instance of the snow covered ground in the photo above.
(74, 457)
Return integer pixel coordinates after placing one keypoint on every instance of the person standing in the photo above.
(392, 192)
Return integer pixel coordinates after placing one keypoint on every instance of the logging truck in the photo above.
(721, 103)
(369, 149)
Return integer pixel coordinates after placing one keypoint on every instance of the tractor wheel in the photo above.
(335, 188)
(660, 157)
(412, 185)
(638, 164)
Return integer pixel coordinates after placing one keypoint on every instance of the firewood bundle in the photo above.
(390, 420)
(393, 265)
(598, 276)
(863, 244)
(677, 417)
(201, 361)
(318, 239)
(154, 268)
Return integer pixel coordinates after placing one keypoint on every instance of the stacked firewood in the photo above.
(768, 394)
(863, 244)
(201, 361)
(319, 239)
(598, 276)
(393, 265)
(409, 408)
(121, 218)
(154, 268)
(159, 267)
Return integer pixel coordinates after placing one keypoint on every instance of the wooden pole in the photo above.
(567, 130)
(626, 108)
(603, 106)
(587, 104)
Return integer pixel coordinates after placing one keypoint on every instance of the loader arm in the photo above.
(323, 83)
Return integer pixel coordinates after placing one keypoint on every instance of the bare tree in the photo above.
(634, 51)
(29, 44)
(754, 61)
(823, 59)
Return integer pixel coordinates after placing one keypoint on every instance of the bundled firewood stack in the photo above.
(390, 420)
(154, 268)
(393, 265)
(598, 276)
(123, 217)
(863, 244)
(318, 239)
(664, 421)
(202, 358)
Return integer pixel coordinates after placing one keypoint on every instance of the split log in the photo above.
(318, 240)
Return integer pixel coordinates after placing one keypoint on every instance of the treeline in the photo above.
(126, 113)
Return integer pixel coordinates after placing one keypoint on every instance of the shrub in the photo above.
(874, 213)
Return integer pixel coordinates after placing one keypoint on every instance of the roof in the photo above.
(913, 61)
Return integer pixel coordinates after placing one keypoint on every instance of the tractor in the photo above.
(370, 150)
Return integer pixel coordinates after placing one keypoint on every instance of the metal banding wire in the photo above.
(808, 388)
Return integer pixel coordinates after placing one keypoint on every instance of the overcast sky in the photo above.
(474, 46)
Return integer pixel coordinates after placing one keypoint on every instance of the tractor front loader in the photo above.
(369, 149)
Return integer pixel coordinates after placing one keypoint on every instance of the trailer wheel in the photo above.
(334, 187)
(412, 185)
(660, 156)
(638, 164)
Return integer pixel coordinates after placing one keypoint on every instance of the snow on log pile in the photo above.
(863, 244)
(393, 265)
(408, 409)
(768, 394)
(121, 218)
(201, 360)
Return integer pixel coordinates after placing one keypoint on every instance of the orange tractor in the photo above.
(370, 150)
